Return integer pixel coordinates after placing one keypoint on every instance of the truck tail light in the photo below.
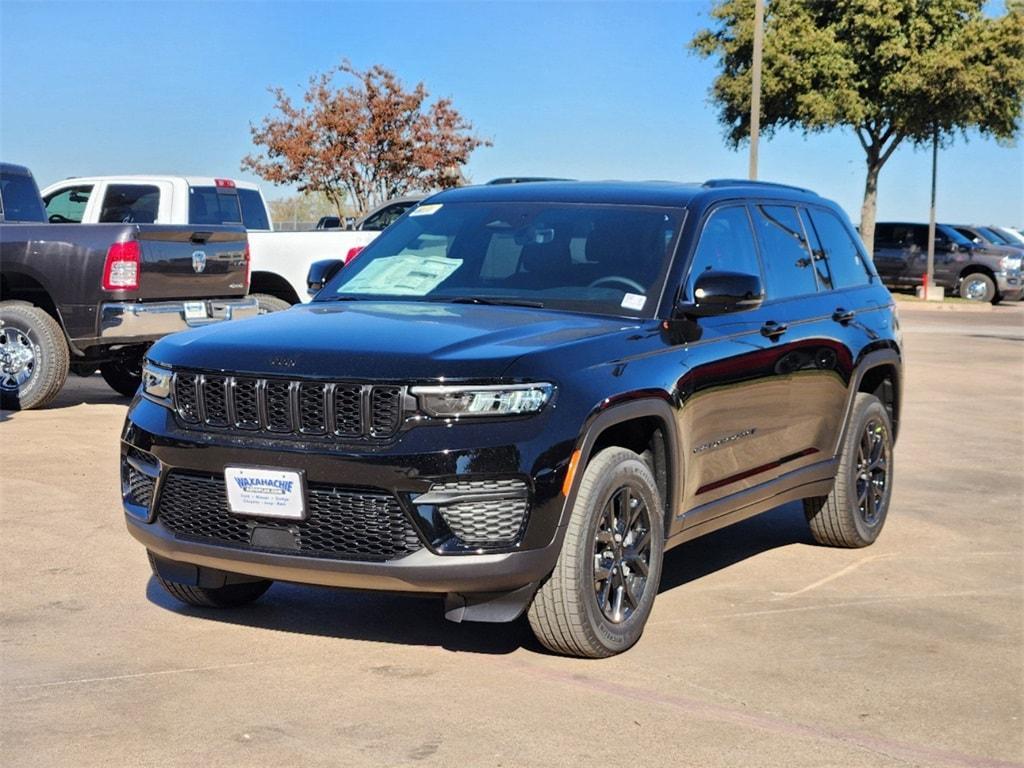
(248, 264)
(353, 252)
(122, 267)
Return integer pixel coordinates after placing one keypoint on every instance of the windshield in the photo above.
(589, 258)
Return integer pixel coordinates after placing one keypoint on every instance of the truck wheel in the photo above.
(597, 599)
(34, 356)
(979, 287)
(229, 596)
(268, 303)
(853, 514)
(123, 376)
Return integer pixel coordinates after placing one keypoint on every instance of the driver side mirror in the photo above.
(320, 272)
(721, 293)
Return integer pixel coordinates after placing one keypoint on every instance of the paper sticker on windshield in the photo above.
(425, 210)
(634, 301)
(402, 275)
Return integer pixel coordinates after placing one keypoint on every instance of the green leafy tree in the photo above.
(892, 71)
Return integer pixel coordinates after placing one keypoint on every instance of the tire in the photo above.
(853, 514)
(268, 303)
(229, 596)
(123, 376)
(978, 286)
(34, 356)
(575, 614)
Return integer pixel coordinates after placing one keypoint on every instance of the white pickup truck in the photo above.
(279, 260)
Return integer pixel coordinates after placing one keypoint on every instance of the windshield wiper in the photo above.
(490, 300)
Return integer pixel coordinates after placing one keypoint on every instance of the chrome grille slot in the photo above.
(284, 408)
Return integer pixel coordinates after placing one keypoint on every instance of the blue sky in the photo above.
(585, 90)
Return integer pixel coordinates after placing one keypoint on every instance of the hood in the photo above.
(388, 341)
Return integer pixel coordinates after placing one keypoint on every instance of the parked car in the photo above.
(1012, 236)
(976, 271)
(987, 236)
(386, 214)
(99, 295)
(519, 396)
(280, 260)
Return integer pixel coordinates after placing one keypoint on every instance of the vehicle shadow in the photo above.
(411, 620)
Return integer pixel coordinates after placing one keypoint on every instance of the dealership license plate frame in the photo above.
(289, 505)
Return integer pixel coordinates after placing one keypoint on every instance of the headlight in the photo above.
(1010, 263)
(497, 400)
(156, 382)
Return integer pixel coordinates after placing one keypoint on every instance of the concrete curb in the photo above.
(906, 305)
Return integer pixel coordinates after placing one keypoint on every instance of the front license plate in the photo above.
(195, 310)
(265, 493)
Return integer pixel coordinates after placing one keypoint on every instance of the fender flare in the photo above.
(601, 420)
(877, 358)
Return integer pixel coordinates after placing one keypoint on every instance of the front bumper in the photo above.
(410, 468)
(1010, 284)
(126, 321)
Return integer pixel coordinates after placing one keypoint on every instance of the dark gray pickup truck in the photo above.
(81, 297)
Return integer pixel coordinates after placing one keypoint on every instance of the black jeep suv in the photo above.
(519, 397)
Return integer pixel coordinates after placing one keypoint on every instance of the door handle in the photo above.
(843, 315)
(773, 330)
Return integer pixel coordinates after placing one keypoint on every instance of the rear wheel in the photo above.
(124, 375)
(34, 356)
(979, 287)
(228, 596)
(597, 599)
(268, 303)
(853, 514)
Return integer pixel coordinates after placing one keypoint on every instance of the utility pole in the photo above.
(755, 86)
(929, 278)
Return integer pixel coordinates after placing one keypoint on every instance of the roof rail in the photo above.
(713, 183)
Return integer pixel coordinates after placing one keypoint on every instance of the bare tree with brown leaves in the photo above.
(367, 142)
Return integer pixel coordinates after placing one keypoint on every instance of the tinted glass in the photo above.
(130, 203)
(254, 213)
(787, 261)
(67, 206)
(602, 259)
(822, 270)
(385, 218)
(208, 206)
(845, 260)
(726, 244)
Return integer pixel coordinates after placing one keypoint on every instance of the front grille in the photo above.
(342, 523)
(492, 513)
(288, 408)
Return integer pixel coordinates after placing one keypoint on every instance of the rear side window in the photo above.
(383, 219)
(67, 205)
(789, 269)
(726, 245)
(130, 204)
(254, 213)
(844, 259)
(20, 198)
(208, 206)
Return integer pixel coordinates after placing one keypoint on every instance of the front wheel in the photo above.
(228, 596)
(979, 287)
(268, 303)
(853, 514)
(597, 599)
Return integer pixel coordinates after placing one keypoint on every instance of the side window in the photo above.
(789, 269)
(885, 236)
(845, 260)
(726, 245)
(385, 218)
(67, 206)
(130, 204)
(822, 267)
(254, 213)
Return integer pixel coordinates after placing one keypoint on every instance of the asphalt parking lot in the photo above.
(763, 649)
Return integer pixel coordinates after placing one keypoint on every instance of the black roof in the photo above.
(656, 193)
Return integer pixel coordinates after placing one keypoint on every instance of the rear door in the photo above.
(181, 262)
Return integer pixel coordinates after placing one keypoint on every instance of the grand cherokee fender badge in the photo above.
(724, 440)
(198, 261)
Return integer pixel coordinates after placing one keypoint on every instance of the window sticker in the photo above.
(402, 275)
(425, 210)
(634, 301)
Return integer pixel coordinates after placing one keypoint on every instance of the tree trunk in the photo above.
(868, 208)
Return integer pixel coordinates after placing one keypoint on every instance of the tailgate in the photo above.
(186, 262)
